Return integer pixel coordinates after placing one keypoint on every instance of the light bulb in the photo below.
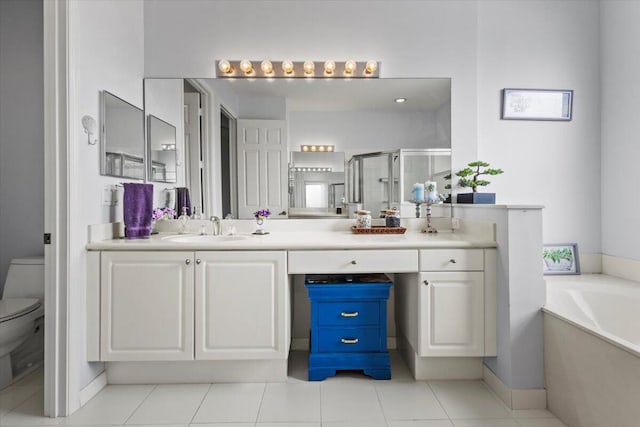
(329, 67)
(313, 148)
(267, 67)
(287, 67)
(224, 66)
(350, 66)
(371, 67)
(330, 148)
(321, 148)
(246, 66)
(305, 148)
(308, 67)
(400, 100)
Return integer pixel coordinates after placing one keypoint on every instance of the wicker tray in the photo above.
(379, 229)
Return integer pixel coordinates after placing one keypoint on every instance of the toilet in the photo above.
(22, 319)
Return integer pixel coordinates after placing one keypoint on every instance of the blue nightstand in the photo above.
(348, 324)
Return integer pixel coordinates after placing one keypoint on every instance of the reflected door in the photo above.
(262, 167)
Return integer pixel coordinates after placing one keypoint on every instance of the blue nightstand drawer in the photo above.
(348, 340)
(348, 313)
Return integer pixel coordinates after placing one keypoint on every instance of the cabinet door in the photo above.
(452, 314)
(147, 306)
(241, 305)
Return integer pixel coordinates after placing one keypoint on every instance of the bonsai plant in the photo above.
(470, 178)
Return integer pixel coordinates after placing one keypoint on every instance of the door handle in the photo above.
(426, 282)
(354, 262)
(347, 314)
(187, 261)
(198, 261)
(349, 340)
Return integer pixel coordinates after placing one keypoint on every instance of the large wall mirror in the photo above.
(291, 145)
(122, 138)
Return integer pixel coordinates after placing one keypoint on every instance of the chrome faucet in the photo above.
(215, 221)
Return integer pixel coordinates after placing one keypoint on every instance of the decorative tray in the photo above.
(378, 229)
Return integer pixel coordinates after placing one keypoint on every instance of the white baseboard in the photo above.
(515, 398)
(93, 388)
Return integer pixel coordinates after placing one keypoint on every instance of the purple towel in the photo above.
(137, 210)
(183, 200)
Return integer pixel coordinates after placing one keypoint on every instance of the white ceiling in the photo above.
(347, 94)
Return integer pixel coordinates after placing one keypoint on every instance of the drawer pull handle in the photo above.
(426, 282)
(346, 314)
(354, 262)
(349, 340)
(452, 261)
(198, 261)
(187, 261)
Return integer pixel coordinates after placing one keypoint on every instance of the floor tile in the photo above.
(230, 403)
(541, 422)
(280, 424)
(232, 424)
(113, 405)
(170, 404)
(350, 401)
(531, 413)
(420, 423)
(468, 400)
(409, 401)
(485, 423)
(351, 424)
(288, 402)
(29, 413)
(12, 396)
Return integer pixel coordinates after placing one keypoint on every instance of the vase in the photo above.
(261, 226)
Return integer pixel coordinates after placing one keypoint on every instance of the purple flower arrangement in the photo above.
(163, 213)
(262, 214)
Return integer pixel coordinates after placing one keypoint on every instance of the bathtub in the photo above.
(592, 350)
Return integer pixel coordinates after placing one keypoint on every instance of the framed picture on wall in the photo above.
(537, 104)
(560, 258)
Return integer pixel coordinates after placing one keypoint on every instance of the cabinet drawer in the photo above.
(348, 313)
(365, 261)
(349, 340)
(451, 259)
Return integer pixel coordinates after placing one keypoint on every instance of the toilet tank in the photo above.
(25, 278)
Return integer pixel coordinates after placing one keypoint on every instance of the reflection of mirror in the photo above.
(122, 138)
(246, 125)
(162, 148)
(316, 183)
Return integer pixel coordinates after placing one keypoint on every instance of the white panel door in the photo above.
(262, 166)
(451, 314)
(241, 305)
(192, 155)
(147, 306)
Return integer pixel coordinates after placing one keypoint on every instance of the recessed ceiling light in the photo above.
(400, 100)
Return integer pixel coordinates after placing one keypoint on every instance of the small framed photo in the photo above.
(560, 259)
(537, 104)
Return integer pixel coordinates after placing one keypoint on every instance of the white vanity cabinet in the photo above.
(186, 305)
(448, 308)
(146, 306)
(241, 305)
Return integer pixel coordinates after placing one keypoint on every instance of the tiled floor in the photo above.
(347, 400)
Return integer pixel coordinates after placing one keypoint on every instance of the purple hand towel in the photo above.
(183, 200)
(137, 210)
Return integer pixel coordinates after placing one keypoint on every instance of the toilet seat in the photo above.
(12, 308)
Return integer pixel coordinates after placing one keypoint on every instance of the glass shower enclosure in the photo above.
(385, 179)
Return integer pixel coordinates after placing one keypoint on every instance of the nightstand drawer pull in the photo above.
(352, 314)
(349, 340)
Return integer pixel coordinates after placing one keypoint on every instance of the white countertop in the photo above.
(304, 240)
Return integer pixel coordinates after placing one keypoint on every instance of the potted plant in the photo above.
(261, 216)
(470, 178)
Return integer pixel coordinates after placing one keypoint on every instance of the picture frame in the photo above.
(560, 259)
(537, 104)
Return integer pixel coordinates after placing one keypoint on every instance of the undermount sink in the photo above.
(203, 238)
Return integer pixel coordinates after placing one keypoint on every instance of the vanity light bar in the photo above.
(318, 148)
(298, 169)
(246, 68)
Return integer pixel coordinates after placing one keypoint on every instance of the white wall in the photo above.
(21, 131)
(551, 45)
(356, 132)
(106, 53)
(620, 62)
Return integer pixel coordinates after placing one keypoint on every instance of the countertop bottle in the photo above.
(363, 219)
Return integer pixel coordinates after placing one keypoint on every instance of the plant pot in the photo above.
(477, 198)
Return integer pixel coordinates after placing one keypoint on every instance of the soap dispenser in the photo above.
(183, 219)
